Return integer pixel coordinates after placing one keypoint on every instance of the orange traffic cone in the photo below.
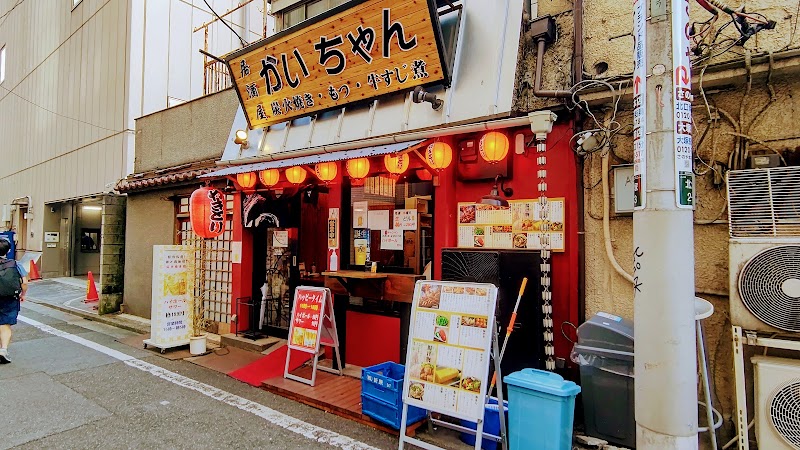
(33, 273)
(91, 290)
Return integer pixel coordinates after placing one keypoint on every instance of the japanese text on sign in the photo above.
(375, 48)
(684, 175)
(306, 316)
(639, 106)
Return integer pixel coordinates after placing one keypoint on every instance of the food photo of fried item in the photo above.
(520, 240)
(479, 322)
(466, 214)
(426, 372)
(416, 391)
(430, 296)
(479, 241)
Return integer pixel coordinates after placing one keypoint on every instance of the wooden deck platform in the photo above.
(340, 395)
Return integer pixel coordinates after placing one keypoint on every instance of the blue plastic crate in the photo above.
(389, 414)
(384, 382)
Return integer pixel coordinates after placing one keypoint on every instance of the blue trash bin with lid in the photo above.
(541, 409)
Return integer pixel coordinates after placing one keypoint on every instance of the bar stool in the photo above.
(703, 309)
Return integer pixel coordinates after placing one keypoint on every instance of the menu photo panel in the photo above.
(450, 338)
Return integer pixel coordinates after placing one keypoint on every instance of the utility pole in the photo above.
(663, 234)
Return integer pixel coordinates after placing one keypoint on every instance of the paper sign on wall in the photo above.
(236, 252)
(280, 238)
(405, 219)
(392, 240)
(378, 220)
(360, 210)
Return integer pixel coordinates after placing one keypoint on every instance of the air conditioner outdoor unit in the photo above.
(764, 250)
(777, 402)
(5, 213)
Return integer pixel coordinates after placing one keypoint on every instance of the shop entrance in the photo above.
(87, 236)
(274, 222)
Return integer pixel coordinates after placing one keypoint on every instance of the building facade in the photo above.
(73, 89)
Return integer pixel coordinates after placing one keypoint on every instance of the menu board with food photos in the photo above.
(516, 226)
(449, 342)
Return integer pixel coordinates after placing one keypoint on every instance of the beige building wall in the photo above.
(76, 79)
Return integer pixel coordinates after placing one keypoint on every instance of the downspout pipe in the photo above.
(541, 42)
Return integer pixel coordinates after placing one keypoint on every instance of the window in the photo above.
(383, 193)
(2, 63)
(90, 240)
(307, 10)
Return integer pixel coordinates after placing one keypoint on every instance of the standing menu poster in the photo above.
(517, 226)
(449, 344)
(307, 313)
(173, 282)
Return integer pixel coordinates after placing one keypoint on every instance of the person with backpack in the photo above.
(13, 285)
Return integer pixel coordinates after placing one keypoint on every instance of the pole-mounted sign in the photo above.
(682, 109)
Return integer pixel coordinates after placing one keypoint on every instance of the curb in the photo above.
(92, 317)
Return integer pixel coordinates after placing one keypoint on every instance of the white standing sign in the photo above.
(449, 346)
(639, 104)
(682, 114)
(173, 284)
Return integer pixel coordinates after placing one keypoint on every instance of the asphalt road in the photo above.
(71, 385)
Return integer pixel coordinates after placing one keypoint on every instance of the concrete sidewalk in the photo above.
(67, 295)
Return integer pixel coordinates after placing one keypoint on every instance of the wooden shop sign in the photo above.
(357, 51)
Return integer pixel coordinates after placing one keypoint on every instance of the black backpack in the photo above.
(10, 278)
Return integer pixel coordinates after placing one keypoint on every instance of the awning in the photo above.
(365, 152)
(163, 177)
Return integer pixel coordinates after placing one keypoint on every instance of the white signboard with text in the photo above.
(449, 342)
(173, 283)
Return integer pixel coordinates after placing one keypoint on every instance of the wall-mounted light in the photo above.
(241, 139)
(494, 198)
(91, 208)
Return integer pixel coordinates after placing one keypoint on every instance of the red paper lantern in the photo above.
(207, 212)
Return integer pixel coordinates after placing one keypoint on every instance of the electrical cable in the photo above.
(244, 44)
(59, 114)
(7, 13)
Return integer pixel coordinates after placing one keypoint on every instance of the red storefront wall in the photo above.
(561, 182)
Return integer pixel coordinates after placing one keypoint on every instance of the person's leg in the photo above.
(5, 335)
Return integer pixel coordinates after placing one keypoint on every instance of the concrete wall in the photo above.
(189, 132)
(150, 221)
